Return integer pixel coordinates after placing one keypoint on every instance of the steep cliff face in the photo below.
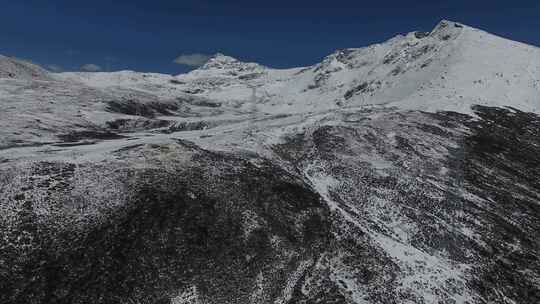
(403, 172)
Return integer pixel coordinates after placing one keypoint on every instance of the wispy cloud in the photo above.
(90, 67)
(192, 60)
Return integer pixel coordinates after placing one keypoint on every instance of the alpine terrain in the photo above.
(403, 172)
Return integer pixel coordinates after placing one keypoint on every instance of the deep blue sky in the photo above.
(148, 35)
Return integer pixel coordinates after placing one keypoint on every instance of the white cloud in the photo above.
(90, 67)
(193, 60)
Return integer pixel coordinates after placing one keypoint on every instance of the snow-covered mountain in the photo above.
(402, 172)
(451, 68)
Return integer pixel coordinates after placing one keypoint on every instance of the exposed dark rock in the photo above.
(147, 109)
(193, 91)
(502, 165)
(362, 88)
(417, 53)
(390, 58)
(187, 126)
(74, 144)
(345, 55)
(250, 76)
(88, 134)
(201, 102)
(420, 35)
(131, 125)
(176, 81)
(396, 71)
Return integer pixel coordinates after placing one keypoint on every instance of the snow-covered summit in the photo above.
(446, 27)
(219, 60)
(222, 61)
(224, 65)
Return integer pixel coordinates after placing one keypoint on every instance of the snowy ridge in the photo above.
(451, 68)
(13, 68)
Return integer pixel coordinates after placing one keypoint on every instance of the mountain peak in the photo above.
(220, 60)
(223, 58)
(447, 23)
(232, 65)
(446, 29)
